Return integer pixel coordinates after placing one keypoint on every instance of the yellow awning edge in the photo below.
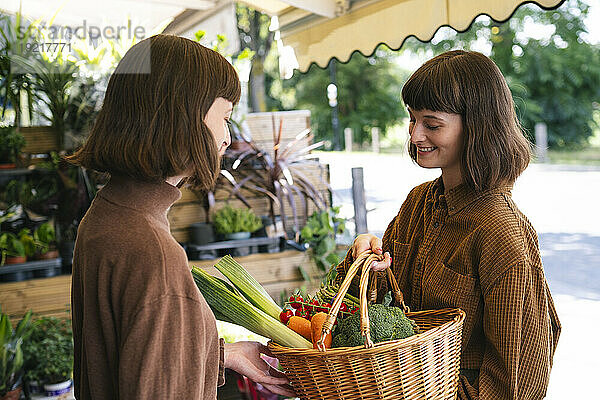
(389, 22)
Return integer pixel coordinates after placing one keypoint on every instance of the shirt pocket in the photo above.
(399, 253)
(446, 288)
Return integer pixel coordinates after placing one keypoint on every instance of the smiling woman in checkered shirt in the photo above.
(460, 240)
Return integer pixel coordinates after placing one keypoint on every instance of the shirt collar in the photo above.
(460, 196)
(147, 197)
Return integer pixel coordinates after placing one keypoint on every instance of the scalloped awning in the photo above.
(316, 35)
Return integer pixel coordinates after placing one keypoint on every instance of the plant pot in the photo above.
(34, 387)
(48, 255)
(15, 260)
(202, 233)
(12, 395)
(237, 236)
(58, 389)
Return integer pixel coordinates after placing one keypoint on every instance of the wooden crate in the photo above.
(263, 125)
(46, 297)
(39, 139)
(190, 208)
(277, 272)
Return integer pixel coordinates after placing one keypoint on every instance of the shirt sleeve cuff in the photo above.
(221, 379)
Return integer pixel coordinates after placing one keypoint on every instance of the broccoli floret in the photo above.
(387, 323)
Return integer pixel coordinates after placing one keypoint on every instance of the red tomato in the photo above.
(344, 307)
(314, 305)
(285, 316)
(296, 301)
(354, 309)
(325, 307)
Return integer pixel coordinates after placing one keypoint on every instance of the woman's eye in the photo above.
(431, 127)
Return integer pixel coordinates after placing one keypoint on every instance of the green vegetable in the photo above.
(248, 286)
(230, 306)
(386, 323)
(232, 220)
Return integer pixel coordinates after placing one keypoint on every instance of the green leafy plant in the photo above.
(45, 238)
(11, 143)
(232, 220)
(11, 352)
(48, 354)
(28, 242)
(10, 246)
(319, 233)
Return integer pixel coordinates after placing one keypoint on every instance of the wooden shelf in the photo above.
(277, 272)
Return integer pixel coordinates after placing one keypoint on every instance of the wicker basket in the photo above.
(423, 366)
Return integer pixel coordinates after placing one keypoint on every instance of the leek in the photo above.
(232, 307)
(248, 286)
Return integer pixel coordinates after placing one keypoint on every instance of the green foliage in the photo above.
(11, 352)
(11, 143)
(554, 79)
(368, 95)
(10, 246)
(386, 323)
(48, 353)
(232, 220)
(44, 237)
(28, 243)
(319, 233)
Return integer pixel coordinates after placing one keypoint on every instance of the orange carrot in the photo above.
(300, 325)
(316, 325)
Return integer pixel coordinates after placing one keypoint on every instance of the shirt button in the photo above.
(436, 224)
(451, 208)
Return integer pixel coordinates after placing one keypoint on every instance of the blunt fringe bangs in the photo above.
(495, 151)
(151, 125)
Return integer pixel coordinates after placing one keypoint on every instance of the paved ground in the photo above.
(562, 203)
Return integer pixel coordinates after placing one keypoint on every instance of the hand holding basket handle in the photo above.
(363, 261)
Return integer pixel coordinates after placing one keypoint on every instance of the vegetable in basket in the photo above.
(386, 323)
(244, 302)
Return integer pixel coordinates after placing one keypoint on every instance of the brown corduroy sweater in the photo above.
(142, 329)
(477, 252)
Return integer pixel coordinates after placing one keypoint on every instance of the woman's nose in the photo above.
(417, 134)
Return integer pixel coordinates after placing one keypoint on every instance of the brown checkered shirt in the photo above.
(477, 252)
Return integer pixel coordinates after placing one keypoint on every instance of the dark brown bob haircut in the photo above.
(151, 125)
(495, 151)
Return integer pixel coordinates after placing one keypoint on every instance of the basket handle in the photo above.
(363, 261)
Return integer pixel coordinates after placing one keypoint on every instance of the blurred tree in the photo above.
(554, 78)
(253, 28)
(368, 95)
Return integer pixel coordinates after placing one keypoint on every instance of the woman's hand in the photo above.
(244, 358)
(365, 242)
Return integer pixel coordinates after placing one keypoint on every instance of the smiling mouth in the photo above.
(426, 149)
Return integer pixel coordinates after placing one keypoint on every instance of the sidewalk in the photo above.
(561, 203)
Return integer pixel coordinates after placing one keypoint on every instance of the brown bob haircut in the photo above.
(495, 151)
(151, 125)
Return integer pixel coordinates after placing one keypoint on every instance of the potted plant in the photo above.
(44, 237)
(11, 355)
(48, 357)
(11, 143)
(53, 358)
(236, 223)
(13, 250)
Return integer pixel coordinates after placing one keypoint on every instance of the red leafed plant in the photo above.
(279, 177)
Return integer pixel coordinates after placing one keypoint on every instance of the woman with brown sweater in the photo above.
(460, 240)
(142, 329)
